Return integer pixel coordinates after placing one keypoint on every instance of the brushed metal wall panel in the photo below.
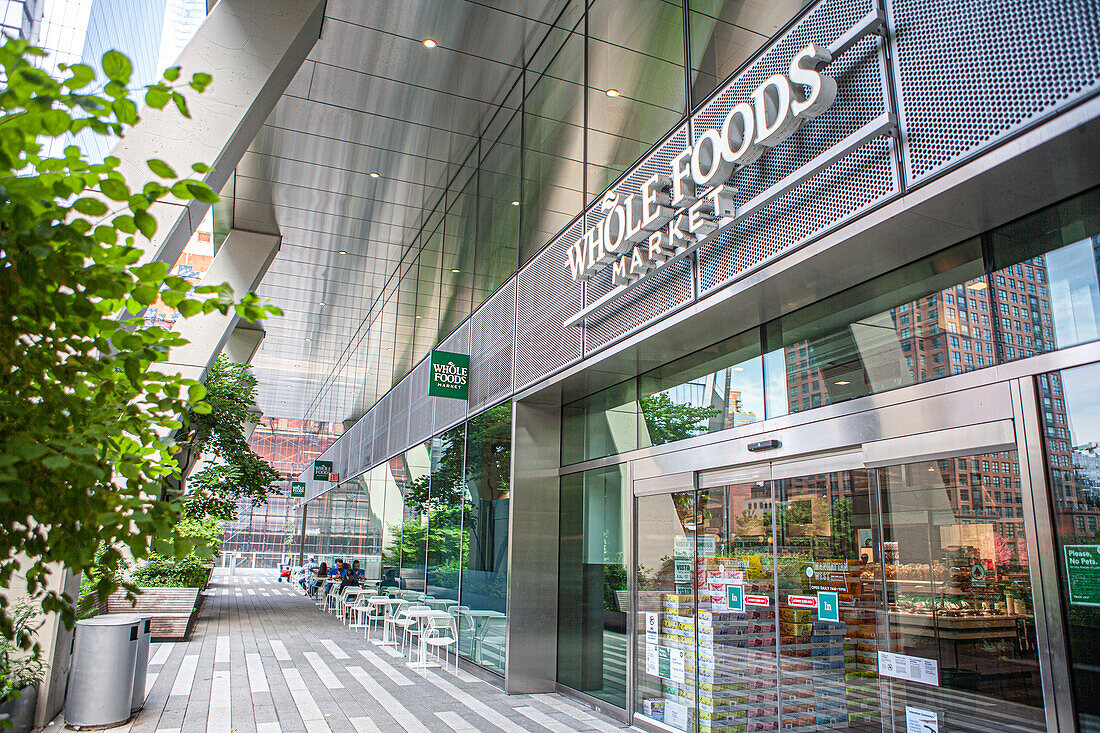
(421, 413)
(491, 348)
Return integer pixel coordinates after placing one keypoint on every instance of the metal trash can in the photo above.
(101, 679)
(141, 666)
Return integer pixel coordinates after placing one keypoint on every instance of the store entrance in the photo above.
(825, 595)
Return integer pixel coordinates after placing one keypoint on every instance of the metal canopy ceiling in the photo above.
(371, 97)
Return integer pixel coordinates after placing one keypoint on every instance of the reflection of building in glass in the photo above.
(260, 533)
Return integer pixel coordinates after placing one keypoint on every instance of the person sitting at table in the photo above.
(319, 579)
(356, 571)
(309, 570)
(390, 580)
(351, 578)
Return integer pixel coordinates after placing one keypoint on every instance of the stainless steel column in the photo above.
(532, 636)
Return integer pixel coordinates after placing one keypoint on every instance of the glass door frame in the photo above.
(929, 444)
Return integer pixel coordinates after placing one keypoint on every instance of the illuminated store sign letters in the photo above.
(639, 233)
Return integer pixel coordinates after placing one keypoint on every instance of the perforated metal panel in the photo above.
(420, 404)
(834, 195)
(397, 438)
(447, 412)
(381, 430)
(971, 73)
(491, 346)
(366, 440)
(547, 296)
(665, 292)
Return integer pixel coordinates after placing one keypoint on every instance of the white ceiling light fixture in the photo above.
(515, 203)
(342, 252)
(612, 93)
(374, 174)
(455, 269)
(429, 43)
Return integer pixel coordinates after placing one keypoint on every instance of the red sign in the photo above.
(757, 601)
(334, 477)
(802, 601)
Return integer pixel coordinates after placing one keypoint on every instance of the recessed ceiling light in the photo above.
(455, 269)
(612, 93)
(342, 252)
(429, 43)
(284, 402)
(321, 303)
(515, 203)
(980, 285)
(843, 381)
(297, 366)
(374, 174)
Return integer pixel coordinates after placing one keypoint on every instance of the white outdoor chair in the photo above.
(353, 598)
(409, 625)
(439, 633)
(389, 621)
(359, 612)
(375, 610)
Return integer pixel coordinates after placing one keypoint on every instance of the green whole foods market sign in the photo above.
(450, 375)
(321, 470)
(297, 490)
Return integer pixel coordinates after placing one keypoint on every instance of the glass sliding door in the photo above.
(959, 594)
(828, 598)
(1069, 401)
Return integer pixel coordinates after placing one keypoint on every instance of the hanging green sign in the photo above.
(321, 470)
(449, 376)
(297, 489)
(1083, 574)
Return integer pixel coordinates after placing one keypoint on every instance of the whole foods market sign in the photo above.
(449, 375)
(688, 204)
(297, 489)
(321, 470)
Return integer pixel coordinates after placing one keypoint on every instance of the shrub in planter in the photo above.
(164, 572)
(21, 671)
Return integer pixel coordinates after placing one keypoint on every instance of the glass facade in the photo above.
(436, 518)
(607, 81)
(593, 594)
(1023, 289)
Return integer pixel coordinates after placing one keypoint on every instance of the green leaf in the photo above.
(196, 392)
(181, 191)
(146, 224)
(82, 76)
(117, 67)
(188, 308)
(55, 122)
(114, 189)
(156, 97)
(125, 223)
(200, 81)
(172, 73)
(201, 168)
(90, 207)
(161, 168)
(181, 104)
(202, 408)
(202, 192)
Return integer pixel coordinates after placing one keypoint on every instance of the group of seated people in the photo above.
(320, 578)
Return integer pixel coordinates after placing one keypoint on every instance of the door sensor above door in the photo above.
(764, 445)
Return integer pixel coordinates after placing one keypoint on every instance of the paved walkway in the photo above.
(263, 659)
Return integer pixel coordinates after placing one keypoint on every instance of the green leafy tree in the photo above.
(236, 472)
(668, 421)
(85, 417)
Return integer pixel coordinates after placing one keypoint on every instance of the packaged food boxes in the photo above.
(654, 707)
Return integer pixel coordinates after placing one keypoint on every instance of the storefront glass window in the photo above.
(1045, 293)
(1070, 406)
(713, 389)
(600, 425)
(441, 494)
(593, 591)
(410, 528)
(482, 619)
(881, 335)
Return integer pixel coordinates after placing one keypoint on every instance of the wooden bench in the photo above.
(172, 609)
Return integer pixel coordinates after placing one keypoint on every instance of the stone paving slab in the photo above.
(264, 659)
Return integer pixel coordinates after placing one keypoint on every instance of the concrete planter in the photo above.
(20, 711)
(173, 609)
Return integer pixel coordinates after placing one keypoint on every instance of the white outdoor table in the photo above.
(422, 615)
